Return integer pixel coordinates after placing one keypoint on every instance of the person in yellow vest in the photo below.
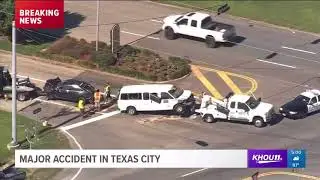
(97, 99)
(81, 106)
(107, 92)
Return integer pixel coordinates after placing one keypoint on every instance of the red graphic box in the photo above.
(39, 14)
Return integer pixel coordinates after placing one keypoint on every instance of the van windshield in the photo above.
(176, 92)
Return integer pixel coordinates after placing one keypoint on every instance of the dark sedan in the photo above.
(297, 108)
(69, 90)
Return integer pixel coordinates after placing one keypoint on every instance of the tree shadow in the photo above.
(33, 36)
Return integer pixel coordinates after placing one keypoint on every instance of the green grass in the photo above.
(30, 49)
(52, 139)
(302, 15)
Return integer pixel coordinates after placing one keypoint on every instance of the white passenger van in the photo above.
(155, 97)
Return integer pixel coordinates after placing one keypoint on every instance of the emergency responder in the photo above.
(81, 107)
(97, 99)
(107, 92)
(205, 101)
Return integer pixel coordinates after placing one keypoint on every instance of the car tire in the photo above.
(50, 96)
(208, 118)
(22, 96)
(302, 115)
(258, 122)
(169, 33)
(210, 42)
(131, 110)
(179, 109)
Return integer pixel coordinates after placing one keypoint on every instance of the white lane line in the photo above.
(300, 50)
(155, 20)
(98, 118)
(61, 104)
(55, 103)
(284, 65)
(194, 172)
(140, 35)
(79, 146)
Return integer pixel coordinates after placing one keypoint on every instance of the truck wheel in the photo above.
(258, 122)
(178, 109)
(169, 33)
(210, 42)
(22, 96)
(131, 110)
(208, 118)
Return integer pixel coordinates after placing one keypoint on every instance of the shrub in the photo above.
(101, 45)
(179, 67)
(62, 44)
(87, 64)
(128, 50)
(104, 59)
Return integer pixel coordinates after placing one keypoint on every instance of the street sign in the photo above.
(115, 38)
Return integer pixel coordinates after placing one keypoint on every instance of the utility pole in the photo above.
(97, 29)
(14, 142)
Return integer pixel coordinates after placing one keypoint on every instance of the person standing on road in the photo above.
(206, 99)
(107, 92)
(97, 99)
(81, 107)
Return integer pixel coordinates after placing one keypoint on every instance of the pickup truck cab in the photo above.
(200, 25)
(238, 108)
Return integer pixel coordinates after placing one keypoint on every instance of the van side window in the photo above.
(154, 94)
(233, 105)
(194, 23)
(165, 95)
(146, 96)
(124, 97)
(134, 96)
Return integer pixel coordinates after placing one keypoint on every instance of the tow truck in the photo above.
(24, 87)
(237, 107)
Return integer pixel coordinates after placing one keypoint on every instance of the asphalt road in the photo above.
(279, 79)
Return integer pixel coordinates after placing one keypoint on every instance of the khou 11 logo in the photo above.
(267, 158)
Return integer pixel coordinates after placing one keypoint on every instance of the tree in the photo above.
(6, 17)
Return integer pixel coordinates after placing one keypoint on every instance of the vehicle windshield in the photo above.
(303, 99)
(87, 87)
(178, 18)
(176, 92)
(252, 102)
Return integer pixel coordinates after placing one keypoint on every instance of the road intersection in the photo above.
(238, 68)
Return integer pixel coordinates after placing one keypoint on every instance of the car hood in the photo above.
(264, 107)
(171, 19)
(294, 106)
(185, 95)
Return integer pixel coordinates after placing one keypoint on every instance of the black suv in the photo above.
(69, 90)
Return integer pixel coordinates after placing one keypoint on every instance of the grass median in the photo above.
(302, 15)
(52, 139)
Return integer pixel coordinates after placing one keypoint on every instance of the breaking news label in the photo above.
(117, 158)
(39, 14)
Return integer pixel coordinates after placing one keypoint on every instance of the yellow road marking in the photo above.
(205, 82)
(223, 75)
(285, 173)
(254, 84)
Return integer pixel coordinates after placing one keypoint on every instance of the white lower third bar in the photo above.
(279, 64)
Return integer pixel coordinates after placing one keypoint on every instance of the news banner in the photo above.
(116, 158)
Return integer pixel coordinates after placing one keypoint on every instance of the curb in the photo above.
(262, 23)
(48, 61)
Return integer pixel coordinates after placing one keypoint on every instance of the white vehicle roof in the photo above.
(147, 88)
(311, 93)
(196, 15)
(239, 98)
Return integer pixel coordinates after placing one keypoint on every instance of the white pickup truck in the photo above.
(238, 108)
(199, 25)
